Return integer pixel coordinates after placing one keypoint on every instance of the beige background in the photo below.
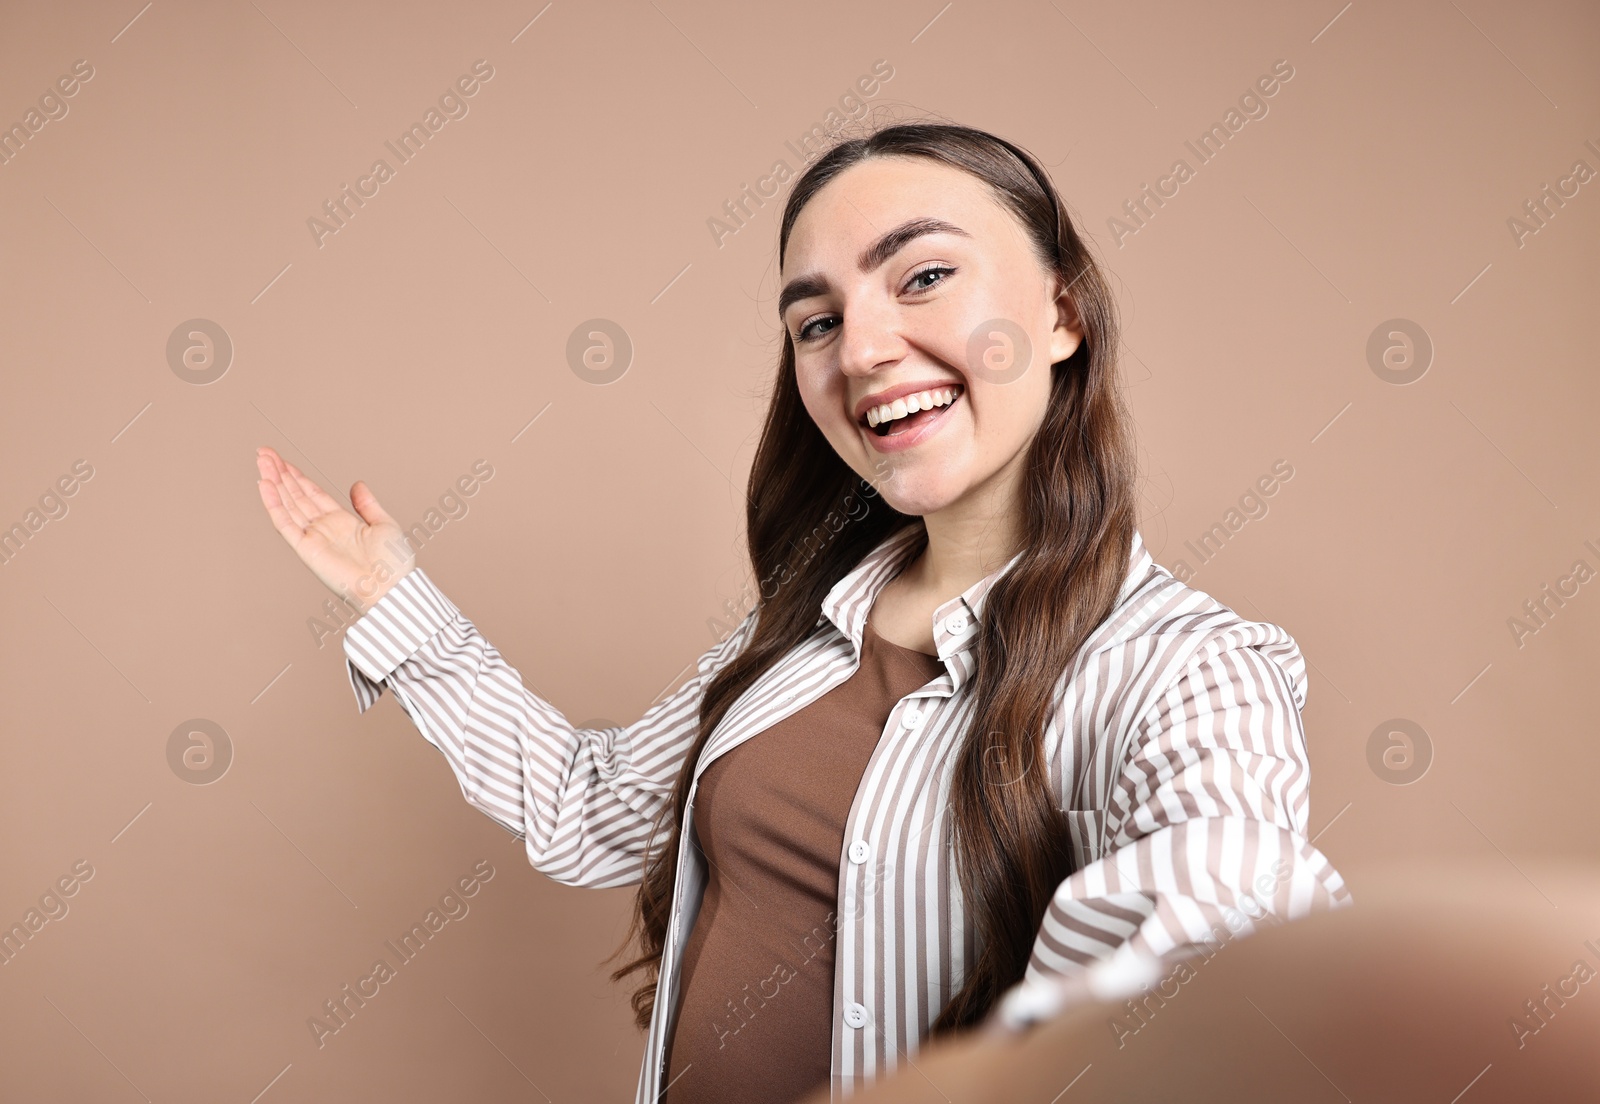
(606, 550)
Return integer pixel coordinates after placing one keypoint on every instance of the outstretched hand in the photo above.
(357, 557)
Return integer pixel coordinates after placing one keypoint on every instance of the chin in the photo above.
(919, 505)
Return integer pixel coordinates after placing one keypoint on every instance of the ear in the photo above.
(1068, 332)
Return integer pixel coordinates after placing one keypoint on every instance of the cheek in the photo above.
(816, 395)
(1004, 416)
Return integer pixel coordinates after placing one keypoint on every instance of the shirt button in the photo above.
(860, 851)
(956, 623)
(855, 1015)
(911, 718)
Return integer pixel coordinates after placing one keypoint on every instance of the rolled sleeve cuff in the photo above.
(389, 633)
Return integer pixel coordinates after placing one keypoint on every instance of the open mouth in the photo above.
(937, 404)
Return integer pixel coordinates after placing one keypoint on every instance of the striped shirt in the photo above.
(1175, 749)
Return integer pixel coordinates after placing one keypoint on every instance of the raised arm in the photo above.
(583, 799)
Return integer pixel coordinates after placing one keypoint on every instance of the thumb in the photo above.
(366, 504)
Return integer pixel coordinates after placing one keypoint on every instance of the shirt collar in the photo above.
(955, 623)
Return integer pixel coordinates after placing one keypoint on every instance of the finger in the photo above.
(311, 497)
(277, 470)
(286, 497)
(281, 521)
(366, 504)
(320, 497)
(272, 457)
(285, 470)
(296, 496)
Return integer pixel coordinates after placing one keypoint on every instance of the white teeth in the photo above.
(910, 404)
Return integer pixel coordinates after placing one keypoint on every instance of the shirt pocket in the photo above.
(1087, 828)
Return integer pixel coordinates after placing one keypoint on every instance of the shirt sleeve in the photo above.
(583, 800)
(1204, 838)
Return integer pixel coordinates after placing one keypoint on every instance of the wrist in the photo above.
(362, 598)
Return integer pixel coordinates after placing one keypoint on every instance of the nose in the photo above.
(871, 336)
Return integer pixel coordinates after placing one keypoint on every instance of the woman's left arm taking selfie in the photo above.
(1202, 835)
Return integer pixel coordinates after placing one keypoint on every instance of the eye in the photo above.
(801, 335)
(929, 271)
(805, 327)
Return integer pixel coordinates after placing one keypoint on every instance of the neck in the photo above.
(967, 540)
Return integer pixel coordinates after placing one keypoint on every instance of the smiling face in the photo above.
(890, 271)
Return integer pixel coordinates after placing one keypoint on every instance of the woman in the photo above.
(996, 739)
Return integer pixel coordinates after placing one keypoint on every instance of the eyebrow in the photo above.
(886, 246)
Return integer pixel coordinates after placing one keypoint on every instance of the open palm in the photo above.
(357, 557)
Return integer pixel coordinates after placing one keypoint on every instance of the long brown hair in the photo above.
(1077, 520)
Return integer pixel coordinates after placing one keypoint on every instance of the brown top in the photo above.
(756, 1019)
